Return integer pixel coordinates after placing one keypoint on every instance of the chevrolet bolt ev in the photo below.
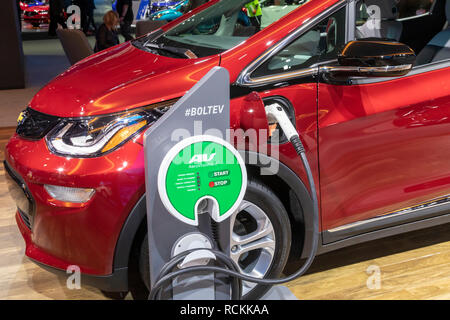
(367, 85)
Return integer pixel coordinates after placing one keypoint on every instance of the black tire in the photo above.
(144, 262)
(263, 197)
(260, 195)
(115, 295)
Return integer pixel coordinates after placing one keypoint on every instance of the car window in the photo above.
(403, 9)
(322, 42)
(223, 25)
(378, 19)
(421, 24)
(414, 8)
(273, 10)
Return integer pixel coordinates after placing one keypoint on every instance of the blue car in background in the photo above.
(171, 13)
(163, 5)
(143, 11)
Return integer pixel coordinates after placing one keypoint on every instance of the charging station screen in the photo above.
(203, 170)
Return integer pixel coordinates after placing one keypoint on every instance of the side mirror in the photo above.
(373, 58)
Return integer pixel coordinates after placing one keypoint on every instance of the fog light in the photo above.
(67, 194)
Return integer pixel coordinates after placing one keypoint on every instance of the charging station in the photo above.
(186, 178)
(195, 181)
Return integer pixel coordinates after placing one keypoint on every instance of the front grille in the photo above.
(35, 125)
(25, 218)
(18, 190)
(30, 13)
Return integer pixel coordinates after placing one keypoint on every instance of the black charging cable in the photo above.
(167, 274)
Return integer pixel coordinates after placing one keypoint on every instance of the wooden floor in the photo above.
(19, 277)
(411, 266)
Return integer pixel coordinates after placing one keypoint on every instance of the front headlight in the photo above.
(94, 136)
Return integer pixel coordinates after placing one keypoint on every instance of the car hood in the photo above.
(121, 78)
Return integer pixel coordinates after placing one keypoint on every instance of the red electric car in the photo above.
(375, 124)
(36, 15)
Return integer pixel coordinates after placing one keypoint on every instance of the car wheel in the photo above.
(260, 242)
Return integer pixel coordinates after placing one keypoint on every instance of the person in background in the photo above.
(90, 17)
(254, 12)
(107, 35)
(126, 16)
(56, 12)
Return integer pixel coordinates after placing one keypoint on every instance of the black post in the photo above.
(12, 74)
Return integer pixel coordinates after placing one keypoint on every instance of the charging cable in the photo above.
(275, 113)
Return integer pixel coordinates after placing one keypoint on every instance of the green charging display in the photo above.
(198, 168)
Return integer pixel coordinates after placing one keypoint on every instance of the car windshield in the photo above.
(218, 28)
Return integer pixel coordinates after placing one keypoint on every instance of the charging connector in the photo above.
(276, 113)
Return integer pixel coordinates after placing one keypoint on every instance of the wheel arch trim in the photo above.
(291, 179)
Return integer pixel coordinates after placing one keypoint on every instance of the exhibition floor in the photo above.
(412, 266)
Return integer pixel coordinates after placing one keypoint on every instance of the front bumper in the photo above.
(115, 282)
(36, 19)
(63, 234)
